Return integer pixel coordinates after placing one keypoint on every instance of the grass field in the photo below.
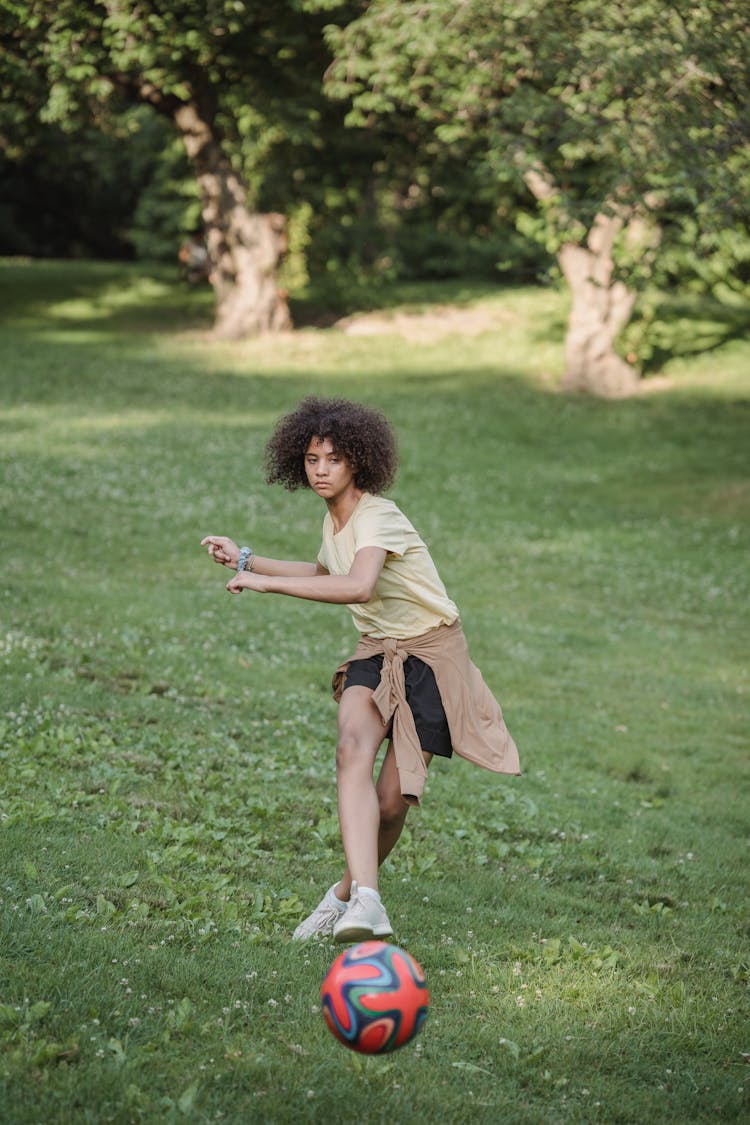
(167, 796)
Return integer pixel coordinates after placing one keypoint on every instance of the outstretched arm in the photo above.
(226, 552)
(318, 586)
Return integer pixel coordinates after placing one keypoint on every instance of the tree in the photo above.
(619, 119)
(80, 199)
(235, 78)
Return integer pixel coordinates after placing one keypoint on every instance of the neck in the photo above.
(340, 508)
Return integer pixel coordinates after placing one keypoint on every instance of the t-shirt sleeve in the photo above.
(384, 527)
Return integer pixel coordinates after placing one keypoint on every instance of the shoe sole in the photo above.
(362, 933)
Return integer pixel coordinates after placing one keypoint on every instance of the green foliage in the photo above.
(293, 274)
(168, 206)
(254, 72)
(76, 198)
(448, 107)
(640, 106)
(374, 204)
(167, 802)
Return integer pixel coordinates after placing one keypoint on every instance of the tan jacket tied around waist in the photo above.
(475, 720)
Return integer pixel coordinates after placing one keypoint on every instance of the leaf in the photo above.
(426, 862)
(104, 906)
(180, 1017)
(510, 1046)
(608, 959)
(186, 1101)
(291, 905)
(9, 1017)
(36, 904)
(30, 870)
(536, 1056)
(551, 949)
(576, 949)
(117, 1049)
(51, 1052)
(38, 1011)
(472, 1067)
(129, 878)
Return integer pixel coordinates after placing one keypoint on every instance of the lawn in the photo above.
(167, 792)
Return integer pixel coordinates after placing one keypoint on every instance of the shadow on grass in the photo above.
(691, 326)
(325, 302)
(127, 296)
(90, 305)
(111, 297)
(547, 443)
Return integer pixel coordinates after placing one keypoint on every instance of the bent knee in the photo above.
(351, 752)
(393, 808)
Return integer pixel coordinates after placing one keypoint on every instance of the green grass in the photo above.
(167, 798)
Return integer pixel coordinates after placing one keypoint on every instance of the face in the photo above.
(328, 472)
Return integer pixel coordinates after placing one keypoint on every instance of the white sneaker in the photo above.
(364, 918)
(320, 922)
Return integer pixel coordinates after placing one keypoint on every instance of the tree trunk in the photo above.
(601, 309)
(244, 247)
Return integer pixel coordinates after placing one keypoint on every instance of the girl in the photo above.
(410, 679)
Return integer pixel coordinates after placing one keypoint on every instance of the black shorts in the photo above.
(422, 695)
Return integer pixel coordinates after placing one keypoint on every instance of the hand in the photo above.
(247, 580)
(222, 550)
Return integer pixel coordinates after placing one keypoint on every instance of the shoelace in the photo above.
(357, 905)
(326, 915)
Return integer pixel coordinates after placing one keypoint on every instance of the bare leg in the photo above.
(360, 733)
(393, 809)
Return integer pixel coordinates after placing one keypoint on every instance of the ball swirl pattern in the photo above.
(374, 997)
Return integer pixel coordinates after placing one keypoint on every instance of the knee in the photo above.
(393, 809)
(349, 752)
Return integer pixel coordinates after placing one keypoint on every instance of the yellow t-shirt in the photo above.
(409, 597)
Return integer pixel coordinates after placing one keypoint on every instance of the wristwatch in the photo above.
(245, 561)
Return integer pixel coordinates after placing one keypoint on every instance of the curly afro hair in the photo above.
(359, 433)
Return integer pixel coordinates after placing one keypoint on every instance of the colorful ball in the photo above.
(374, 997)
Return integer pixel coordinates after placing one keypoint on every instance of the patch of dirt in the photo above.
(422, 327)
(654, 384)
